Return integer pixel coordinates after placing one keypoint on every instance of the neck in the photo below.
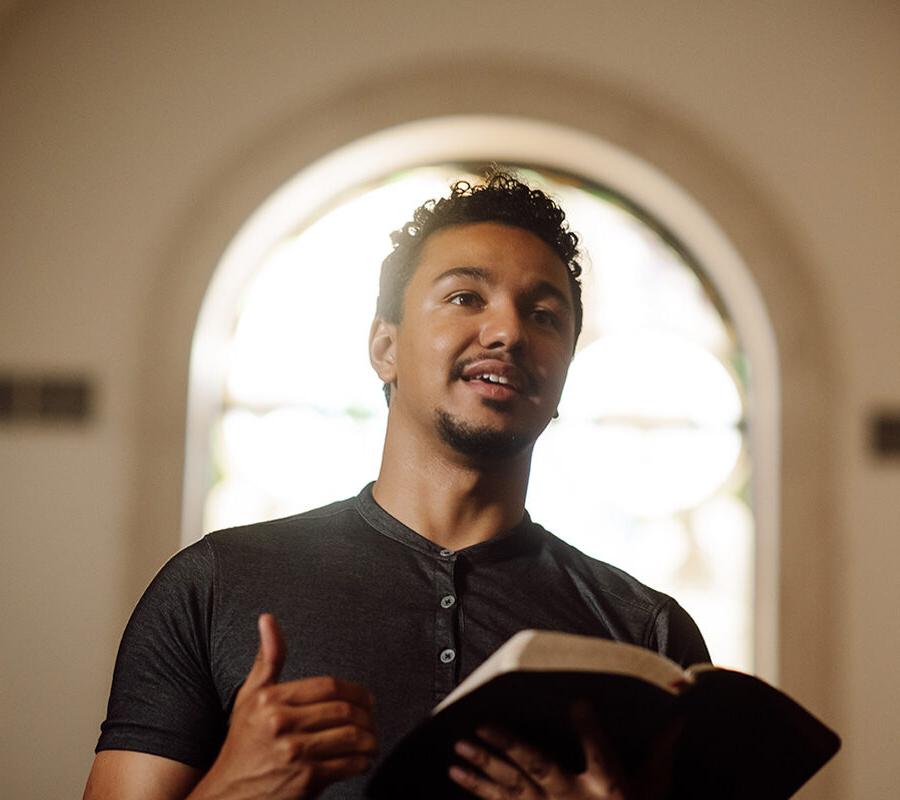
(447, 497)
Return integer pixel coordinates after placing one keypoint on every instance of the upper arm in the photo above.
(676, 636)
(127, 775)
(164, 699)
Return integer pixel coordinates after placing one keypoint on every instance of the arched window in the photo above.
(652, 465)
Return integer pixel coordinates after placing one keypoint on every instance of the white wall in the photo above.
(120, 123)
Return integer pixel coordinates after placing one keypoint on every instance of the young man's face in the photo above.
(486, 339)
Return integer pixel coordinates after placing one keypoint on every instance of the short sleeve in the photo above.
(677, 637)
(163, 699)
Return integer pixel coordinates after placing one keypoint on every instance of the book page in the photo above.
(551, 651)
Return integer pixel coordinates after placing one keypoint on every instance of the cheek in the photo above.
(447, 340)
(554, 362)
(555, 376)
(427, 352)
(443, 344)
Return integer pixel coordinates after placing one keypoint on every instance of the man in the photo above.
(398, 594)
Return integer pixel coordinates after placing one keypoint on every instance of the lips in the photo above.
(494, 373)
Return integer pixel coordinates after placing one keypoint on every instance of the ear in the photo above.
(383, 349)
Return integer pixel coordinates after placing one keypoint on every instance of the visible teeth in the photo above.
(494, 378)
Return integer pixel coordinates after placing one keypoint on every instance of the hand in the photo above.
(524, 773)
(290, 740)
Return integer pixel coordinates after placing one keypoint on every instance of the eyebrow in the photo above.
(476, 273)
(485, 276)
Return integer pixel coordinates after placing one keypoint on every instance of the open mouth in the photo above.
(495, 378)
(491, 378)
(490, 388)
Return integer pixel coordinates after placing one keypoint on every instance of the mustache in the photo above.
(531, 383)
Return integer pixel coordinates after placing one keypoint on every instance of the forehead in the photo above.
(514, 255)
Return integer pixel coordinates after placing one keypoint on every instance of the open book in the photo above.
(739, 737)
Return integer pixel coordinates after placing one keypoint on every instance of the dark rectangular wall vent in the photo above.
(45, 398)
(886, 434)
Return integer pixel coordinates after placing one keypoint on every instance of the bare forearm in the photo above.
(126, 775)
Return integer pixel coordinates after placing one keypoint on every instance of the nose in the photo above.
(502, 327)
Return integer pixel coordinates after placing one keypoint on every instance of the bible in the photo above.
(737, 736)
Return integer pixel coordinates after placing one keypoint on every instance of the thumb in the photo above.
(269, 657)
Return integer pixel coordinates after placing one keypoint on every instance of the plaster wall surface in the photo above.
(118, 120)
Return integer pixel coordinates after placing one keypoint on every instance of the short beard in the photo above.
(483, 443)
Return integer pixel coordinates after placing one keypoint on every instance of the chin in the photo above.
(481, 440)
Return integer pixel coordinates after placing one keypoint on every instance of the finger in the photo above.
(270, 657)
(657, 770)
(476, 784)
(528, 759)
(321, 689)
(335, 769)
(599, 754)
(665, 740)
(603, 775)
(321, 716)
(496, 769)
(348, 740)
(271, 645)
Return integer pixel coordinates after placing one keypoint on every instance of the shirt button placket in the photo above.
(445, 628)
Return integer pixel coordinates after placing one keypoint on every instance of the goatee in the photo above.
(476, 441)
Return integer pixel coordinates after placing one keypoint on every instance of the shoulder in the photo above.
(600, 576)
(192, 573)
(294, 549)
(634, 611)
(339, 516)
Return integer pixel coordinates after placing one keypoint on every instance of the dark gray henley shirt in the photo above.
(362, 597)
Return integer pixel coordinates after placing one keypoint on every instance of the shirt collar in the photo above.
(512, 542)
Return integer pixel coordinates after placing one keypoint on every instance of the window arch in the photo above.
(738, 368)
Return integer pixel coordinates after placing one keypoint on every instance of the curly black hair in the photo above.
(501, 198)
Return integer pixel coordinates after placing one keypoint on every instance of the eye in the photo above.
(465, 299)
(546, 318)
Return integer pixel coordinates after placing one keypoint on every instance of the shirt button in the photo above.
(448, 655)
(447, 601)
(446, 553)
